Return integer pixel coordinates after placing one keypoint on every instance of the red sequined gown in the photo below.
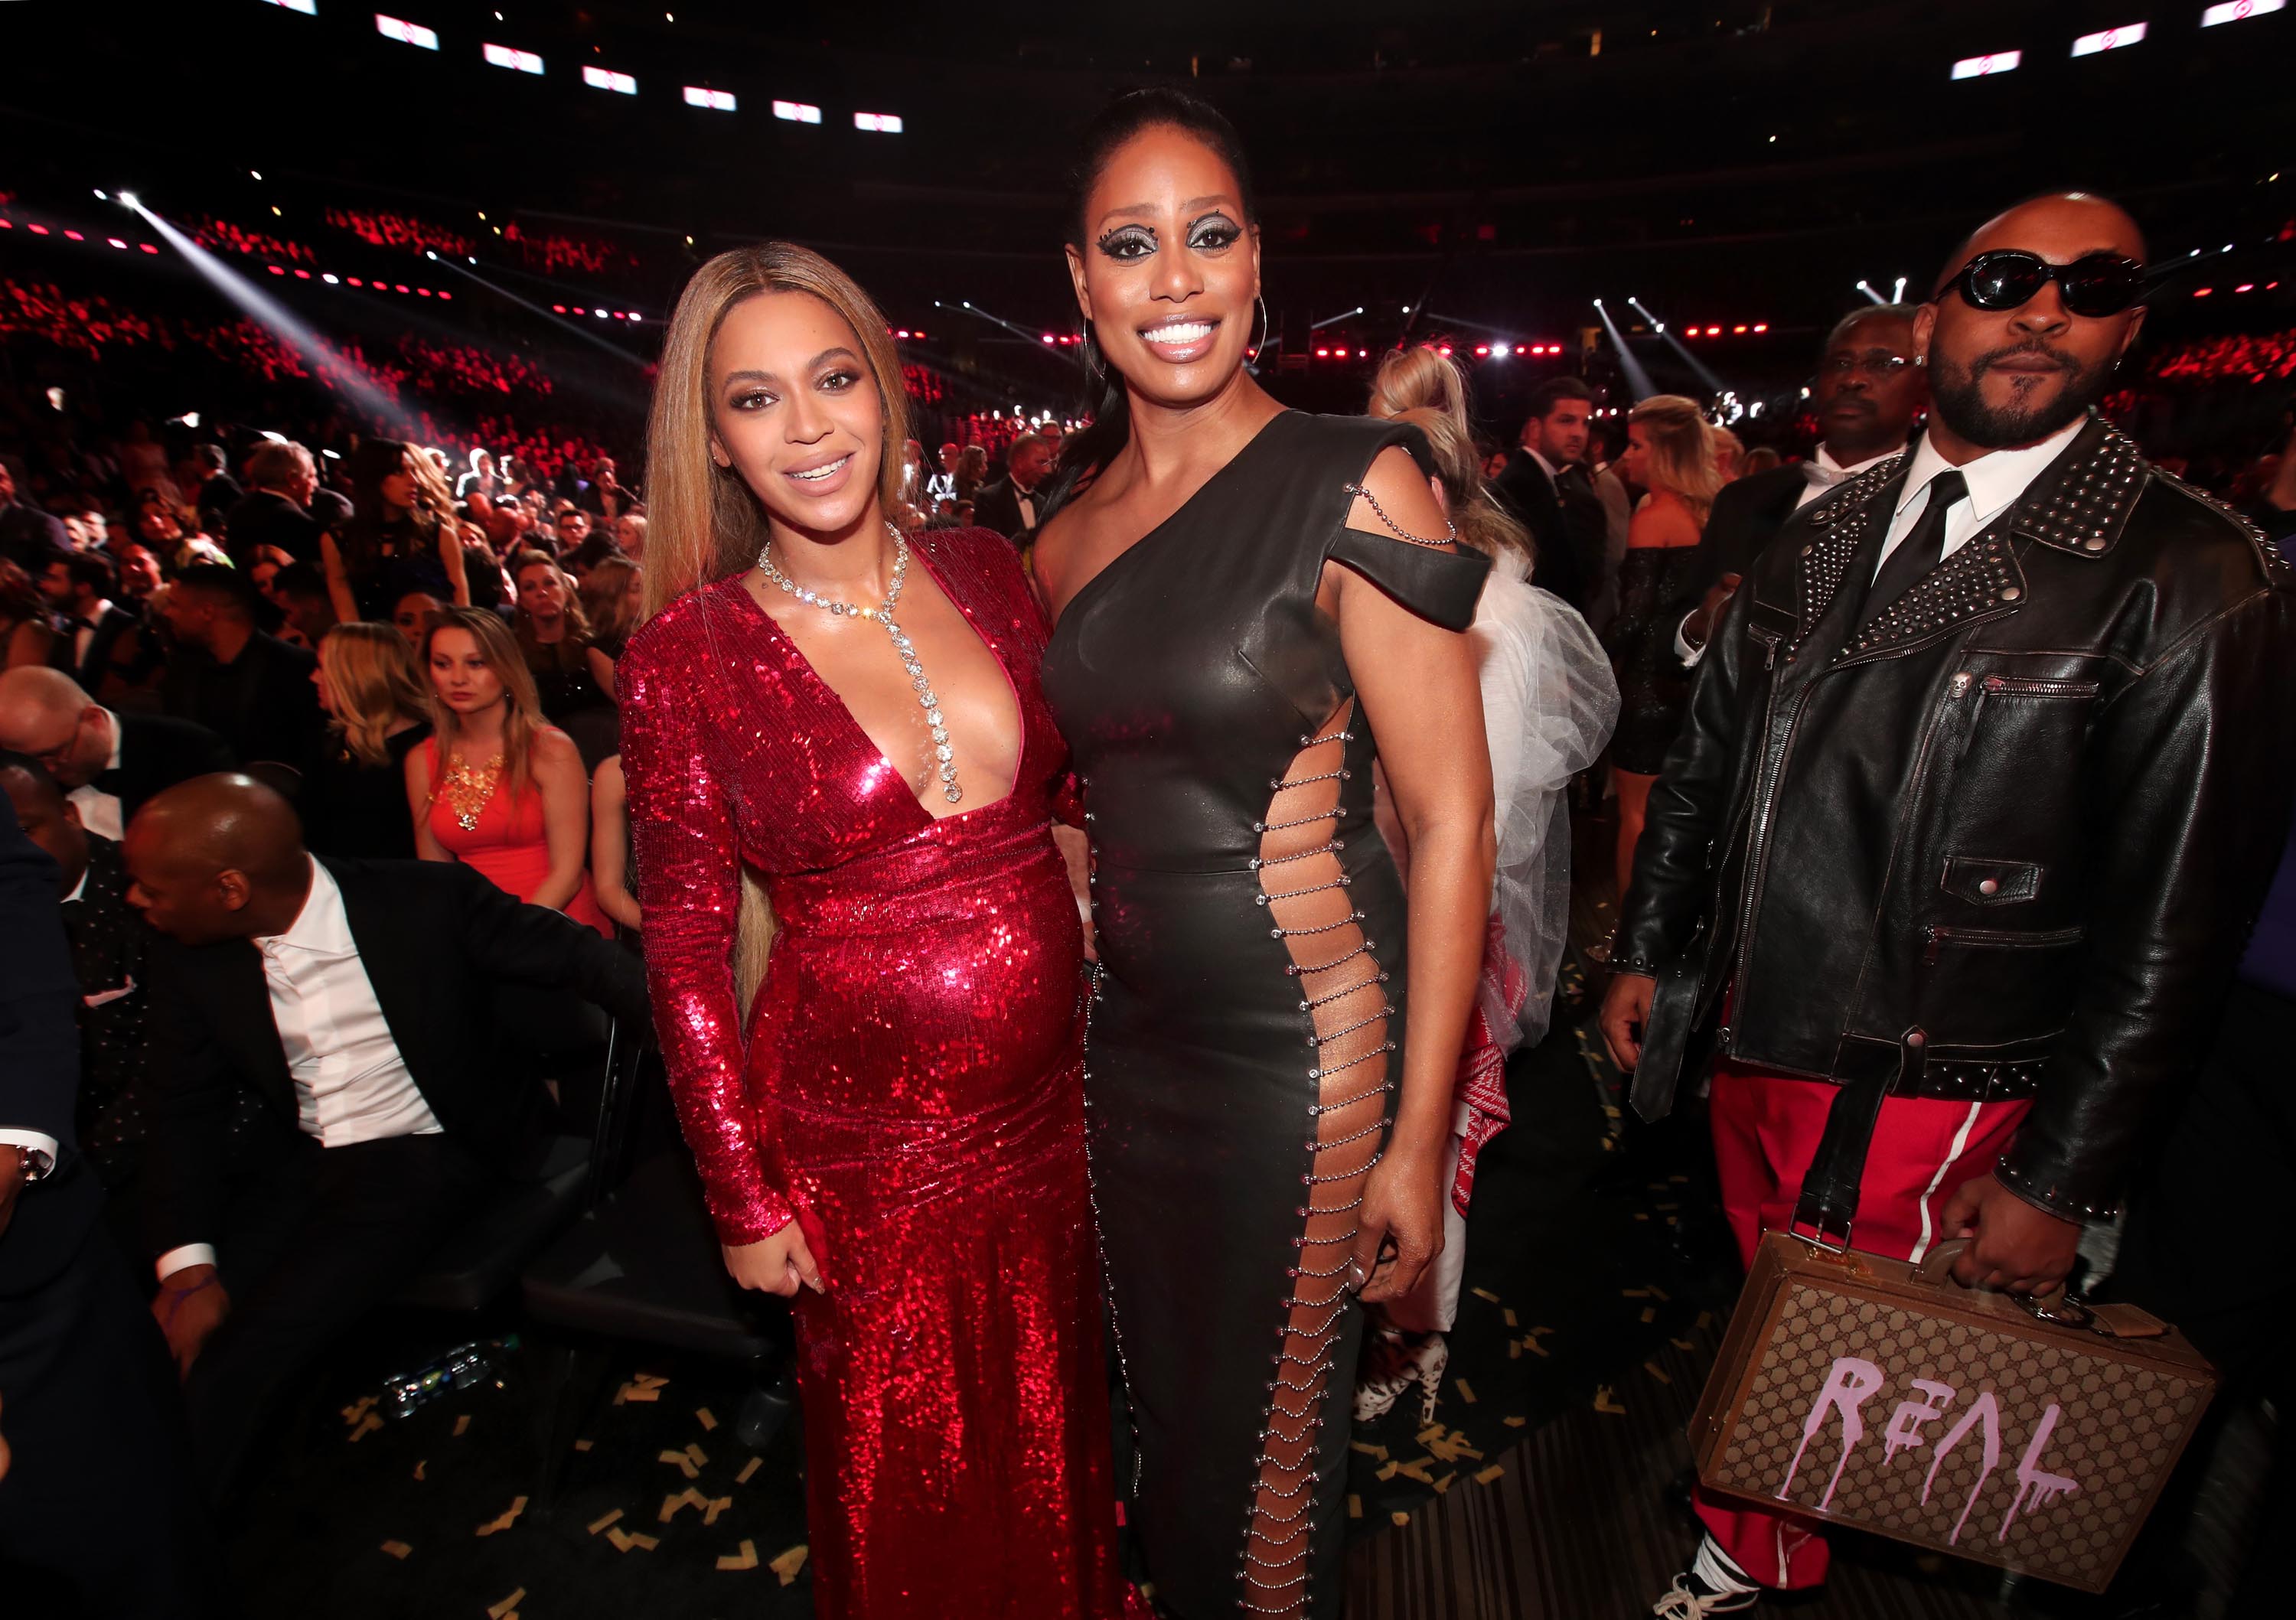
(908, 1085)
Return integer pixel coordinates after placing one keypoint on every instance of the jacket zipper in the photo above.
(1759, 816)
(1993, 685)
(1940, 934)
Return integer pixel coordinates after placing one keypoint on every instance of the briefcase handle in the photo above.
(2052, 1304)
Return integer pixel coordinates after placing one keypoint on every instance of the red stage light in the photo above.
(425, 291)
(74, 236)
(1322, 354)
(1445, 351)
(39, 230)
(275, 269)
(2245, 286)
(1482, 348)
(447, 295)
(354, 281)
(1738, 331)
(1048, 336)
(2202, 292)
(555, 308)
(123, 246)
(1761, 326)
(302, 275)
(146, 246)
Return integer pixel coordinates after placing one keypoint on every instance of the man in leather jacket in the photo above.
(1981, 782)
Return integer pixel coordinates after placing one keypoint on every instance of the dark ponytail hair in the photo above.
(1090, 451)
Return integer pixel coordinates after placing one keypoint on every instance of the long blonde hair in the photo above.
(578, 621)
(703, 522)
(522, 719)
(372, 684)
(1681, 458)
(1418, 385)
(606, 600)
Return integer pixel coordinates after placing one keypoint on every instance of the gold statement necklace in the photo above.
(468, 792)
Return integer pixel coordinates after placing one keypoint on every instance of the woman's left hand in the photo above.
(1403, 1204)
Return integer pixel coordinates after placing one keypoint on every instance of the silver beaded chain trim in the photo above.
(1450, 529)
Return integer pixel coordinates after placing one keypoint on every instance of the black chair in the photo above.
(477, 1264)
(642, 1266)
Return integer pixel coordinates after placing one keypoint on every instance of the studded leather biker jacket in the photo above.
(2004, 837)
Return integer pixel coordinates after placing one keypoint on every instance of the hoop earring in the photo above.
(1260, 348)
(1092, 362)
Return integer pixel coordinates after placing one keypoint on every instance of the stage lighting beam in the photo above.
(1638, 380)
(1705, 374)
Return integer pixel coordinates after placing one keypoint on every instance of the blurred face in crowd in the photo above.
(157, 526)
(397, 488)
(51, 821)
(541, 590)
(1869, 389)
(1032, 458)
(305, 483)
(1633, 463)
(573, 527)
(139, 571)
(794, 411)
(1999, 379)
(56, 584)
(74, 747)
(460, 676)
(629, 533)
(1561, 435)
(191, 617)
(263, 570)
(324, 688)
(948, 457)
(1170, 268)
(412, 612)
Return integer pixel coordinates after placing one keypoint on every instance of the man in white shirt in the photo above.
(354, 999)
(1981, 780)
(1868, 395)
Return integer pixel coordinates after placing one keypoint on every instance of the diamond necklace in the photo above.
(883, 614)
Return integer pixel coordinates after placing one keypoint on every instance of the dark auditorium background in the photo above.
(351, 224)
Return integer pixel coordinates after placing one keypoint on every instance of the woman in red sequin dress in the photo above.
(893, 1133)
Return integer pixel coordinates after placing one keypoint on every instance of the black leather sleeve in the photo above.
(536, 945)
(191, 1087)
(1669, 894)
(2196, 765)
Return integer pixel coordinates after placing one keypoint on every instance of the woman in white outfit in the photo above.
(1549, 701)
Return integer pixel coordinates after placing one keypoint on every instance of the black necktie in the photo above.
(1922, 550)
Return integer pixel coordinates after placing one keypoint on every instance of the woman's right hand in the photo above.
(779, 1264)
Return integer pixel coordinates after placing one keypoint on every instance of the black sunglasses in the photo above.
(2094, 284)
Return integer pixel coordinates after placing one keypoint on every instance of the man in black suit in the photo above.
(1544, 486)
(249, 688)
(276, 512)
(91, 1423)
(1009, 505)
(29, 536)
(355, 998)
(83, 589)
(110, 763)
(1868, 395)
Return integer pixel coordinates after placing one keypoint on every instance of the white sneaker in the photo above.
(1684, 1601)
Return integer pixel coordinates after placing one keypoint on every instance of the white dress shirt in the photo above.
(1996, 479)
(84, 635)
(100, 812)
(351, 1084)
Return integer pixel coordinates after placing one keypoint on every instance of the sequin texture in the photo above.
(907, 1088)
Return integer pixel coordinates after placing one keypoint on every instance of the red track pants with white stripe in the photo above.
(1766, 1132)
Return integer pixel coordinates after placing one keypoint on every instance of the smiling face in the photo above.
(460, 674)
(1170, 268)
(794, 412)
(2004, 378)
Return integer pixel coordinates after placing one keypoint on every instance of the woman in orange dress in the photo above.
(497, 786)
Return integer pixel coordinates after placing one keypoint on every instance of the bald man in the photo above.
(354, 999)
(1985, 770)
(110, 763)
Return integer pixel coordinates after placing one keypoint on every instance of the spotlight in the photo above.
(130, 199)
(102, 197)
(1500, 351)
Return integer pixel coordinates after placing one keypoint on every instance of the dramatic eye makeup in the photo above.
(1213, 233)
(1128, 243)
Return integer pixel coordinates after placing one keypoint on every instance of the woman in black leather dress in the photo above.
(1245, 596)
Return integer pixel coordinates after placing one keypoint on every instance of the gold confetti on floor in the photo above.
(624, 1540)
(701, 1458)
(706, 1418)
(788, 1564)
(1509, 1314)
(420, 1467)
(1514, 1422)
(681, 1461)
(1355, 1507)
(1486, 1294)
(366, 1426)
(643, 1386)
(582, 1445)
(1653, 1369)
(746, 1558)
(687, 1498)
(1604, 1402)
(462, 1425)
(748, 1468)
(1465, 1393)
(1657, 1292)
(716, 1506)
(1650, 1313)
(1443, 1485)
(1369, 1450)
(1490, 1473)
(497, 1611)
(357, 1410)
(1398, 1516)
(398, 1550)
(599, 1523)
(506, 1518)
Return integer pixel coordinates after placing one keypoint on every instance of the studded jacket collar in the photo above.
(2001, 837)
